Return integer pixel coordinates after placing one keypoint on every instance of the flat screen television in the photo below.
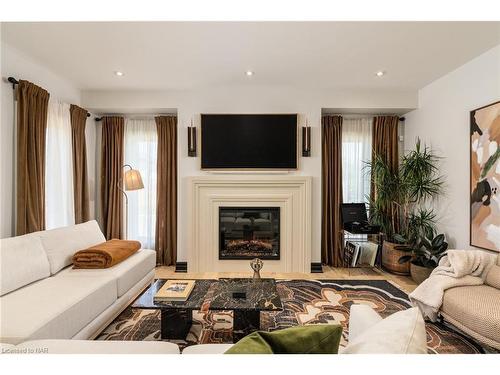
(263, 141)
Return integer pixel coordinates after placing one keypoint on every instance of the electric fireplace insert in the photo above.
(249, 232)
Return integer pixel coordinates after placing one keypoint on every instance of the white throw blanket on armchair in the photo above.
(458, 268)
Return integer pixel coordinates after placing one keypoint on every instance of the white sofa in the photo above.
(48, 307)
(400, 333)
(42, 297)
(90, 347)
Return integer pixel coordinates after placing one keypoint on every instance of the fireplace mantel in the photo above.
(291, 193)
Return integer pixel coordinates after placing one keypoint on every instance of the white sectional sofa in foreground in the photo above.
(48, 307)
(90, 347)
(401, 333)
(42, 297)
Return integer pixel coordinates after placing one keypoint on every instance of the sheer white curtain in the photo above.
(141, 141)
(356, 151)
(59, 191)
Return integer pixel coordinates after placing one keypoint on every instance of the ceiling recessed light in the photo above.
(249, 73)
(118, 73)
(380, 73)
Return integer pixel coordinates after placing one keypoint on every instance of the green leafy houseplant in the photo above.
(427, 252)
(401, 200)
(424, 256)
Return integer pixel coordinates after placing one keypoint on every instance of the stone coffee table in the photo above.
(177, 316)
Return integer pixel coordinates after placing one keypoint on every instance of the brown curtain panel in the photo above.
(32, 107)
(111, 174)
(80, 178)
(166, 191)
(331, 191)
(385, 142)
(385, 139)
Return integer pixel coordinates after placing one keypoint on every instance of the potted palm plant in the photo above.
(400, 204)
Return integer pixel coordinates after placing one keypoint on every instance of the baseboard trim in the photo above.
(316, 267)
(181, 267)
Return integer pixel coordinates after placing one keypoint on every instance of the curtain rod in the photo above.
(13, 81)
(139, 115)
(401, 118)
(16, 82)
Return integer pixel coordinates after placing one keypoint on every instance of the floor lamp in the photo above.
(132, 180)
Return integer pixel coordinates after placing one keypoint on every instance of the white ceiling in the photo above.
(185, 55)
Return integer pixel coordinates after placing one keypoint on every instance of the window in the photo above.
(356, 151)
(59, 191)
(141, 141)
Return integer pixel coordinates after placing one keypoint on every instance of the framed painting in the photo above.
(485, 177)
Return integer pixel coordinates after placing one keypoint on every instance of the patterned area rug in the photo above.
(304, 302)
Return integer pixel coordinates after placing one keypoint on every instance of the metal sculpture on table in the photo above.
(256, 265)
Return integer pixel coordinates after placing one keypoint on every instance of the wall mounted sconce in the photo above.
(191, 140)
(306, 140)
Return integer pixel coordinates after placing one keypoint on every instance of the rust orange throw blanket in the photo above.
(106, 254)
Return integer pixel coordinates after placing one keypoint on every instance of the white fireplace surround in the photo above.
(291, 193)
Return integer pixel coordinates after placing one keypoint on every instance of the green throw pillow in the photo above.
(311, 339)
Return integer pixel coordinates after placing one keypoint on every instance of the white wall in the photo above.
(442, 121)
(15, 64)
(246, 99)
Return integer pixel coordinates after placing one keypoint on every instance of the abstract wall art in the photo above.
(485, 177)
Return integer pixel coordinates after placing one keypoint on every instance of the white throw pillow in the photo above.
(22, 261)
(361, 317)
(62, 243)
(401, 333)
(493, 277)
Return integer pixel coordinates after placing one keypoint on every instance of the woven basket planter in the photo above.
(419, 273)
(390, 259)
